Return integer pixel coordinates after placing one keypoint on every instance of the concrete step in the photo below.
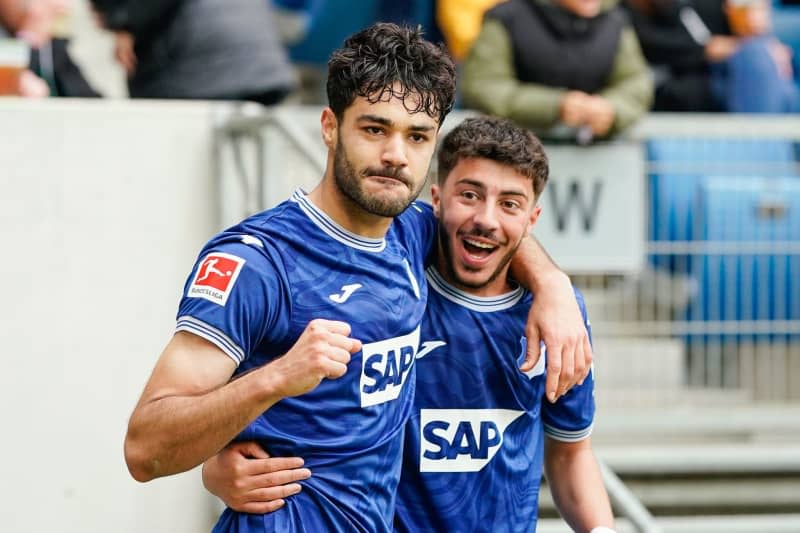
(737, 422)
(705, 478)
(654, 296)
(703, 459)
(623, 397)
(771, 523)
(693, 496)
(638, 362)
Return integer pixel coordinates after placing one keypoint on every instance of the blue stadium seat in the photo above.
(331, 23)
(744, 285)
(676, 167)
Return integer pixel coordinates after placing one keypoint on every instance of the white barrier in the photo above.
(593, 208)
(103, 207)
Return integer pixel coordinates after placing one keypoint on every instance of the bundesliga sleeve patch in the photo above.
(215, 277)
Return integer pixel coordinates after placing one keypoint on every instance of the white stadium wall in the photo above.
(103, 207)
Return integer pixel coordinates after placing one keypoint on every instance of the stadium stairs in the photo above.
(699, 460)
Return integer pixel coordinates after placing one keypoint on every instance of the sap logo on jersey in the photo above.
(461, 440)
(385, 367)
(215, 277)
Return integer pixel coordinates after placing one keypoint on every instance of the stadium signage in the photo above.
(593, 208)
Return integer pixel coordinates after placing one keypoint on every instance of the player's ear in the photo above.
(537, 210)
(435, 198)
(329, 125)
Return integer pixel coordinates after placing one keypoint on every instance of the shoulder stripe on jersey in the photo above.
(212, 335)
(482, 304)
(334, 230)
(567, 436)
(414, 284)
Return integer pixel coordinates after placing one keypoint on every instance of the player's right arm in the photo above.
(189, 410)
(576, 484)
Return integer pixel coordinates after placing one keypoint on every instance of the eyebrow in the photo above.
(479, 185)
(389, 123)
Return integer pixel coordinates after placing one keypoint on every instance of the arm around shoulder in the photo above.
(555, 319)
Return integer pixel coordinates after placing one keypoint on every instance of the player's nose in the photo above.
(394, 152)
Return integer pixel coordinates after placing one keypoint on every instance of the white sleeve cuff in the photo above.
(602, 529)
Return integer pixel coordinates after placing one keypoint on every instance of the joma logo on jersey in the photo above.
(461, 440)
(385, 367)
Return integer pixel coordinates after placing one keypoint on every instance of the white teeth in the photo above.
(485, 246)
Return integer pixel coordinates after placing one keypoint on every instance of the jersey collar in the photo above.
(334, 230)
(481, 304)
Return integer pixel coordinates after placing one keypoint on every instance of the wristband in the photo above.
(602, 529)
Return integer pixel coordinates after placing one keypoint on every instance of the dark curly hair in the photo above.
(374, 60)
(496, 139)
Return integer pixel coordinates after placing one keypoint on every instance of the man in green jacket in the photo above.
(559, 65)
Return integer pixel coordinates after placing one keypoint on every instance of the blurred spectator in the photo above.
(203, 49)
(558, 65)
(292, 19)
(314, 28)
(460, 22)
(711, 56)
(15, 77)
(412, 13)
(43, 25)
(758, 76)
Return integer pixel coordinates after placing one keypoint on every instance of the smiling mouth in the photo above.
(478, 249)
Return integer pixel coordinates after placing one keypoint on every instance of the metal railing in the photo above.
(626, 502)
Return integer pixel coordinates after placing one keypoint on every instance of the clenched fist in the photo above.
(322, 351)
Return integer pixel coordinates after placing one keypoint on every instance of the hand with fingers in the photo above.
(574, 108)
(322, 351)
(556, 320)
(600, 115)
(248, 480)
(124, 51)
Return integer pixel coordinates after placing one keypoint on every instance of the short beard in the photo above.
(447, 256)
(347, 180)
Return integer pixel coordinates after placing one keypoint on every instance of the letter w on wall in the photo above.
(575, 200)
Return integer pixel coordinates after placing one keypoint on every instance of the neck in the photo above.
(332, 201)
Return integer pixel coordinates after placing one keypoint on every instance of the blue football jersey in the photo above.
(254, 289)
(474, 445)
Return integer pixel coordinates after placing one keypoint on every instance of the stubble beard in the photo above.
(446, 247)
(347, 181)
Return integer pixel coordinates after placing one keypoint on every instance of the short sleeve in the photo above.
(570, 418)
(234, 297)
